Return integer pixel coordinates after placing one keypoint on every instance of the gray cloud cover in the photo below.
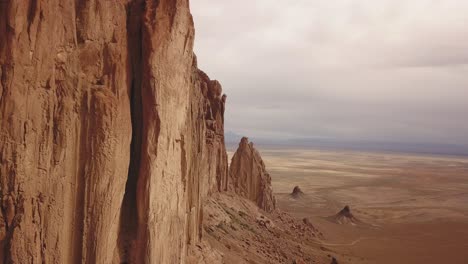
(390, 70)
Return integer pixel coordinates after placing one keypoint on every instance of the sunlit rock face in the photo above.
(110, 136)
(249, 178)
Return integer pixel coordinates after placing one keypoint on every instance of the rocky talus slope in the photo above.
(110, 136)
(243, 225)
(249, 178)
(239, 232)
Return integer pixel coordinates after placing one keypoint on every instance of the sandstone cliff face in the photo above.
(217, 162)
(249, 178)
(110, 137)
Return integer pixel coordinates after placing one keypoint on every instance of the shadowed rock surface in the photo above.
(297, 193)
(249, 178)
(345, 217)
(346, 211)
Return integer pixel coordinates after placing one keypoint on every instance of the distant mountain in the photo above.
(232, 139)
(404, 147)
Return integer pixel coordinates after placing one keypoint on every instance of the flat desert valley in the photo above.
(409, 208)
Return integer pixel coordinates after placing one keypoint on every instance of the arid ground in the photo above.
(413, 208)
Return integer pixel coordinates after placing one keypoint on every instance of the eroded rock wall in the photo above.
(65, 129)
(110, 137)
(249, 178)
(217, 161)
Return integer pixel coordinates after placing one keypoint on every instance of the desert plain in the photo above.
(412, 208)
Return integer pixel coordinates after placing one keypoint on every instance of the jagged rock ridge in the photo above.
(110, 136)
(249, 178)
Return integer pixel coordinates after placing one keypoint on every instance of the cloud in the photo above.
(355, 69)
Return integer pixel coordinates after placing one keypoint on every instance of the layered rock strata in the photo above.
(110, 136)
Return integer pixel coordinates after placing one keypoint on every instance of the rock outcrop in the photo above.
(345, 217)
(240, 232)
(249, 178)
(297, 193)
(217, 161)
(110, 136)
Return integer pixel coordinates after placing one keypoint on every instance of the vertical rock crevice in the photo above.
(128, 229)
(110, 136)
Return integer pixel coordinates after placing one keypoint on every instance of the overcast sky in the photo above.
(386, 70)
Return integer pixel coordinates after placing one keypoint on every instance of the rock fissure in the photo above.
(111, 137)
(128, 229)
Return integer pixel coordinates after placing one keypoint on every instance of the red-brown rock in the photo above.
(249, 178)
(110, 136)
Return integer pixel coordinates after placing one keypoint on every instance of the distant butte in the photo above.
(297, 193)
(345, 217)
(346, 212)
